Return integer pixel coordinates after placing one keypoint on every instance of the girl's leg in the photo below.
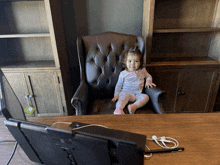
(122, 101)
(142, 99)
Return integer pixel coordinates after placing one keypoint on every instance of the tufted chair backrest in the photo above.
(100, 58)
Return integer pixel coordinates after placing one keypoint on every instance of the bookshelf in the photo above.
(182, 38)
(32, 48)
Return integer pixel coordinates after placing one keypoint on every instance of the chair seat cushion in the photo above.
(106, 106)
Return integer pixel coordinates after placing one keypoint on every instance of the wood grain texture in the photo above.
(184, 61)
(27, 49)
(182, 28)
(147, 27)
(44, 87)
(181, 44)
(189, 87)
(24, 35)
(184, 13)
(18, 84)
(198, 133)
(55, 22)
(196, 86)
(167, 80)
(24, 17)
(32, 38)
(189, 30)
(28, 65)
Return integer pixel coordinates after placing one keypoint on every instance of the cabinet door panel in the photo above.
(197, 89)
(46, 93)
(18, 84)
(15, 91)
(167, 80)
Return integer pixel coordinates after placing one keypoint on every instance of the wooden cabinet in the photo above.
(188, 88)
(167, 80)
(47, 99)
(18, 83)
(197, 86)
(33, 54)
(182, 37)
(181, 30)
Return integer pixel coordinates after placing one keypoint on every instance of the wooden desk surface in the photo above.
(198, 133)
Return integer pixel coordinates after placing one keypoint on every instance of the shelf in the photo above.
(188, 30)
(183, 61)
(18, 0)
(24, 35)
(28, 64)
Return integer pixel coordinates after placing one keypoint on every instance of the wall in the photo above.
(214, 46)
(87, 17)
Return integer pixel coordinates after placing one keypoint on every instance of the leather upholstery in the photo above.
(100, 57)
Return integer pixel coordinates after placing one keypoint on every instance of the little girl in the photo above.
(131, 82)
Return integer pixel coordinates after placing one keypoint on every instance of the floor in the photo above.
(6, 149)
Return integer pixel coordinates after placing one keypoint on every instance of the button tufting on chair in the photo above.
(105, 59)
(117, 58)
(123, 46)
(100, 70)
(97, 48)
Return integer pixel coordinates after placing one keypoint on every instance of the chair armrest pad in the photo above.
(157, 96)
(80, 99)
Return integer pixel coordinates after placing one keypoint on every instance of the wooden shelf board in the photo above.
(18, 0)
(28, 64)
(183, 61)
(24, 35)
(187, 30)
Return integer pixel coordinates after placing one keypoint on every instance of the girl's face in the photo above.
(133, 62)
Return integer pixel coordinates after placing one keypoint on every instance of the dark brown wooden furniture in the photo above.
(198, 133)
(33, 54)
(182, 39)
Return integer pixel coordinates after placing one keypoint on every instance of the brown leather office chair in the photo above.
(100, 58)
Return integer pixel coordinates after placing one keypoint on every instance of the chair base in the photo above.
(106, 106)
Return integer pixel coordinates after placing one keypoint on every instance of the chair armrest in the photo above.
(156, 96)
(80, 99)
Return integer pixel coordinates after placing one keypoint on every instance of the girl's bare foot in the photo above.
(132, 108)
(119, 111)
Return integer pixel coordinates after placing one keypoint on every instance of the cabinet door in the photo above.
(19, 86)
(44, 87)
(15, 91)
(167, 80)
(197, 90)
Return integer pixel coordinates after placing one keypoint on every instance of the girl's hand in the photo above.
(149, 84)
(115, 98)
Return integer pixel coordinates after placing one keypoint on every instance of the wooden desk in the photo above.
(198, 133)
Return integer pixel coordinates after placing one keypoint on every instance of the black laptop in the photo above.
(84, 144)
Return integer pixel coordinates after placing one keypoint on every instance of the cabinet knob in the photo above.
(181, 93)
(29, 96)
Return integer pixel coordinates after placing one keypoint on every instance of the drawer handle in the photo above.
(181, 93)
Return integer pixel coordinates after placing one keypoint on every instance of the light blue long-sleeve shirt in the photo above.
(132, 82)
